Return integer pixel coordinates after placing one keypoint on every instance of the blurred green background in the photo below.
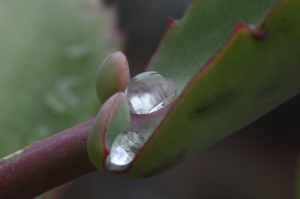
(49, 55)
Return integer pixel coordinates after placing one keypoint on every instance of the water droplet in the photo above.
(149, 92)
(124, 148)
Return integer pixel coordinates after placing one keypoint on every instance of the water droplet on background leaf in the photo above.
(149, 92)
(125, 147)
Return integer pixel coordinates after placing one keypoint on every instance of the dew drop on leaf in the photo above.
(149, 92)
(124, 148)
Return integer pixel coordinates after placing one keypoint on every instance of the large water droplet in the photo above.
(149, 92)
(124, 148)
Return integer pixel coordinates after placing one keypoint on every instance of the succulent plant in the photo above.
(232, 62)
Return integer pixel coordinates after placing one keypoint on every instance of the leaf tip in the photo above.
(112, 76)
(171, 23)
(257, 32)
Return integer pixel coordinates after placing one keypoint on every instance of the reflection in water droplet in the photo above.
(124, 148)
(149, 92)
(61, 99)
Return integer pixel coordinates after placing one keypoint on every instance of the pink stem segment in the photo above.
(46, 164)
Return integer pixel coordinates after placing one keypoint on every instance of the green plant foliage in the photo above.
(112, 76)
(193, 40)
(49, 52)
(223, 87)
(112, 119)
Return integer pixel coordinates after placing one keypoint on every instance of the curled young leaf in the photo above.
(112, 119)
(112, 76)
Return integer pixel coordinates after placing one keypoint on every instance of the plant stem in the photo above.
(46, 164)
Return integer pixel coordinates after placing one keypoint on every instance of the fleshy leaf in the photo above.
(112, 119)
(190, 42)
(112, 76)
(256, 70)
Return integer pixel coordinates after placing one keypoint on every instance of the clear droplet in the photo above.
(124, 148)
(149, 92)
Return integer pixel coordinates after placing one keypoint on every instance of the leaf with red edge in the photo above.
(222, 90)
(112, 119)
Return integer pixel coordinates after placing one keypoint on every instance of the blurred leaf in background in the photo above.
(49, 55)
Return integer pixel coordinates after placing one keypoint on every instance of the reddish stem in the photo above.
(46, 164)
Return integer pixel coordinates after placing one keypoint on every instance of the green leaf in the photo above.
(223, 87)
(112, 119)
(192, 41)
(49, 52)
(112, 76)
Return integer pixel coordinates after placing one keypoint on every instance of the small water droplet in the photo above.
(124, 148)
(149, 92)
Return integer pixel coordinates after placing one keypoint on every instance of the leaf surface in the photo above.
(229, 74)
